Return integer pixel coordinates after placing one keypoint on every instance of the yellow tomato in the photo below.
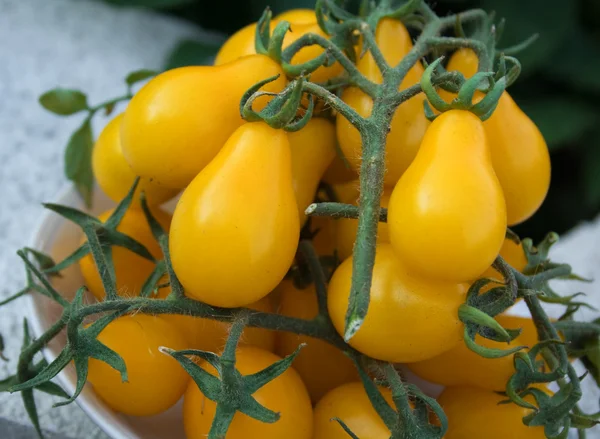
(113, 174)
(474, 413)
(177, 123)
(513, 254)
(519, 152)
(285, 395)
(303, 21)
(408, 124)
(131, 270)
(320, 365)
(313, 149)
(346, 228)
(447, 215)
(409, 318)
(351, 404)
(235, 229)
(462, 367)
(155, 380)
(210, 335)
(339, 172)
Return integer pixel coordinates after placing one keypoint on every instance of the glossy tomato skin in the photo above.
(339, 171)
(408, 123)
(320, 365)
(177, 123)
(347, 228)
(155, 380)
(303, 21)
(131, 270)
(285, 395)
(210, 335)
(235, 229)
(513, 254)
(519, 152)
(313, 149)
(351, 404)
(474, 413)
(462, 367)
(447, 214)
(409, 318)
(112, 172)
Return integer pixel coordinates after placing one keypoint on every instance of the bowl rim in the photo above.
(35, 322)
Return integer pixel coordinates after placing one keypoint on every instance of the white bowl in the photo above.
(58, 237)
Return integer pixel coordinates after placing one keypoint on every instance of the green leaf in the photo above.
(155, 4)
(64, 101)
(553, 21)
(192, 53)
(78, 160)
(139, 75)
(560, 119)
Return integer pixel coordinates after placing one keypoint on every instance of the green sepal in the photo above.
(208, 384)
(488, 104)
(305, 68)
(470, 315)
(387, 414)
(464, 100)
(250, 96)
(49, 372)
(44, 261)
(276, 41)
(432, 95)
(150, 286)
(163, 240)
(262, 33)
(257, 380)
(73, 258)
(47, 290)
(119, 212)
(301, 122)
(469, 339)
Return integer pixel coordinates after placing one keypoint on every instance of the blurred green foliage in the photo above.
(559, 86)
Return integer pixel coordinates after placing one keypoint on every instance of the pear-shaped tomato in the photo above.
(303, 21)
(313, 149)
(339, 172)
(180, 120)
(401, 306)
(320, 365)
(408, 123)
(460, 366)
(346, 229)
(351, 405)
(519, 152)
(112, 172)
(476, 413)
(235, 229)
(447, 215)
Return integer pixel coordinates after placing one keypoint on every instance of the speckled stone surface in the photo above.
(92, 46)
(43, 44)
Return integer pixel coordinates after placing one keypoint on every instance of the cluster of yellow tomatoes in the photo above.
(451, 187)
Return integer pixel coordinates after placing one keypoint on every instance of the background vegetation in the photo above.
(559, 87)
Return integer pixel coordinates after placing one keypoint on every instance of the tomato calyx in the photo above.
(231, 390)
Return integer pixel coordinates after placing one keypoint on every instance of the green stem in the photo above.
(339, 210)
(335, 102)
(93, 110)
(185, 306)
